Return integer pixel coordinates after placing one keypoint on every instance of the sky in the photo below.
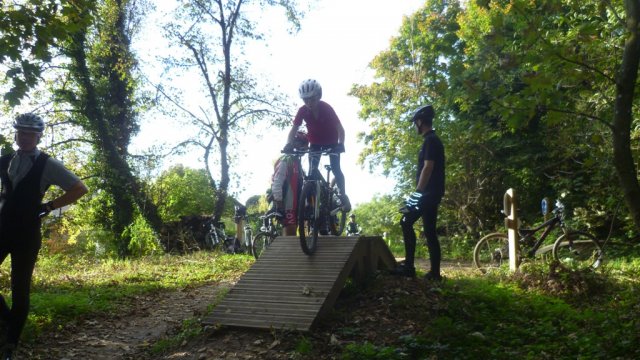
(337, 40)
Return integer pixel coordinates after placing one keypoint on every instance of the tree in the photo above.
(380, 216)
(29, 31)
(523, 91)
(88, 42)
(581, 74)
(103, 93)
(211, 33)
(181, 191)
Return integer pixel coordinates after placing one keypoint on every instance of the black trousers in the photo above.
(23, 246)
(334, 161)
(429, 215)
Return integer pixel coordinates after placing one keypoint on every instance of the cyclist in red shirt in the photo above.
(324, 131)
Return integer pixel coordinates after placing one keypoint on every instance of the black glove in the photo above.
(339, 148)
(413, 203)
(45, 209)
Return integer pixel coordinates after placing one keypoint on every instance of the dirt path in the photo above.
(123, 336)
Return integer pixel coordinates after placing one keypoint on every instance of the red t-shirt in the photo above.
(322, 130)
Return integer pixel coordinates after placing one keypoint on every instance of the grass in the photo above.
(537, 313)
(65, 288)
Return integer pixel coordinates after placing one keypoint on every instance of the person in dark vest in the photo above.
(353, 229)
(25, 176)
(424, 201)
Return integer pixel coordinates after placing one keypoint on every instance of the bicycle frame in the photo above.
(315, 211)
(548, 226)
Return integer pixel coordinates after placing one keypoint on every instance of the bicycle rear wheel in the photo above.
(308, 218)
(492, 251)
(261, 242)
(577, 250)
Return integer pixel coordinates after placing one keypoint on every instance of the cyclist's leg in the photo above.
(340, 182)
(23, 261)
(337, 172)
(429, 220)
(409, 237)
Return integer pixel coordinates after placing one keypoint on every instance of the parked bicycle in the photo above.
(572, 249)
(240, 216)
(217, 237)
(269, 230)
(320, 210)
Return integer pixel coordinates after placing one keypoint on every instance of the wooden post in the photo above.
(240, 230)
(511, 222)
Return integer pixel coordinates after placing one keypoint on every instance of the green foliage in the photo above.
(31, 29)
(181, 191)
(380, 216)
(144, 240)
(304, 346)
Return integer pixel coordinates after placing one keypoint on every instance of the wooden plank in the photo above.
(287, 289)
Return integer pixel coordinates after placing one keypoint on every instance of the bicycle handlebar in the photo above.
(295, 152)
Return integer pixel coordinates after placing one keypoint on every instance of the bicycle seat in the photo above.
(526, 232)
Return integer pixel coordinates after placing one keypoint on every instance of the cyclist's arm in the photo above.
(425, 174)
(292, 133)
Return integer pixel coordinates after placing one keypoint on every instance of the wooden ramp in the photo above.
(286, 289)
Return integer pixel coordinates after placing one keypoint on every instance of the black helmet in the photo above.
(425, 113)
(352, 215)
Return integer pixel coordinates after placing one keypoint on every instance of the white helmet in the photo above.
(310, 88)
(29, 122)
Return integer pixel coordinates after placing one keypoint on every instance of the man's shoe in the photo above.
(432, 277)
(403, 270)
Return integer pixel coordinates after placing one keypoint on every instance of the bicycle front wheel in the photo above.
(492, 251)
(577, 250)
(309, 217)
(261, 242)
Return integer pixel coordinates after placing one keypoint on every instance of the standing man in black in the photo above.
(25, 176)
(424, 202)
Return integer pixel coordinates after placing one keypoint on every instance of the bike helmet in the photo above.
(352, 216)
(310, 88)
(424, 113)
(29, 122)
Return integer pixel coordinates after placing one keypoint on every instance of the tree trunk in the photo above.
(120, 180)
(623, 115)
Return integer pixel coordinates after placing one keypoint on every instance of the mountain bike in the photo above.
(269, 230)
(240, 214)
(572, 249)
(217, 237)
(320, 210)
